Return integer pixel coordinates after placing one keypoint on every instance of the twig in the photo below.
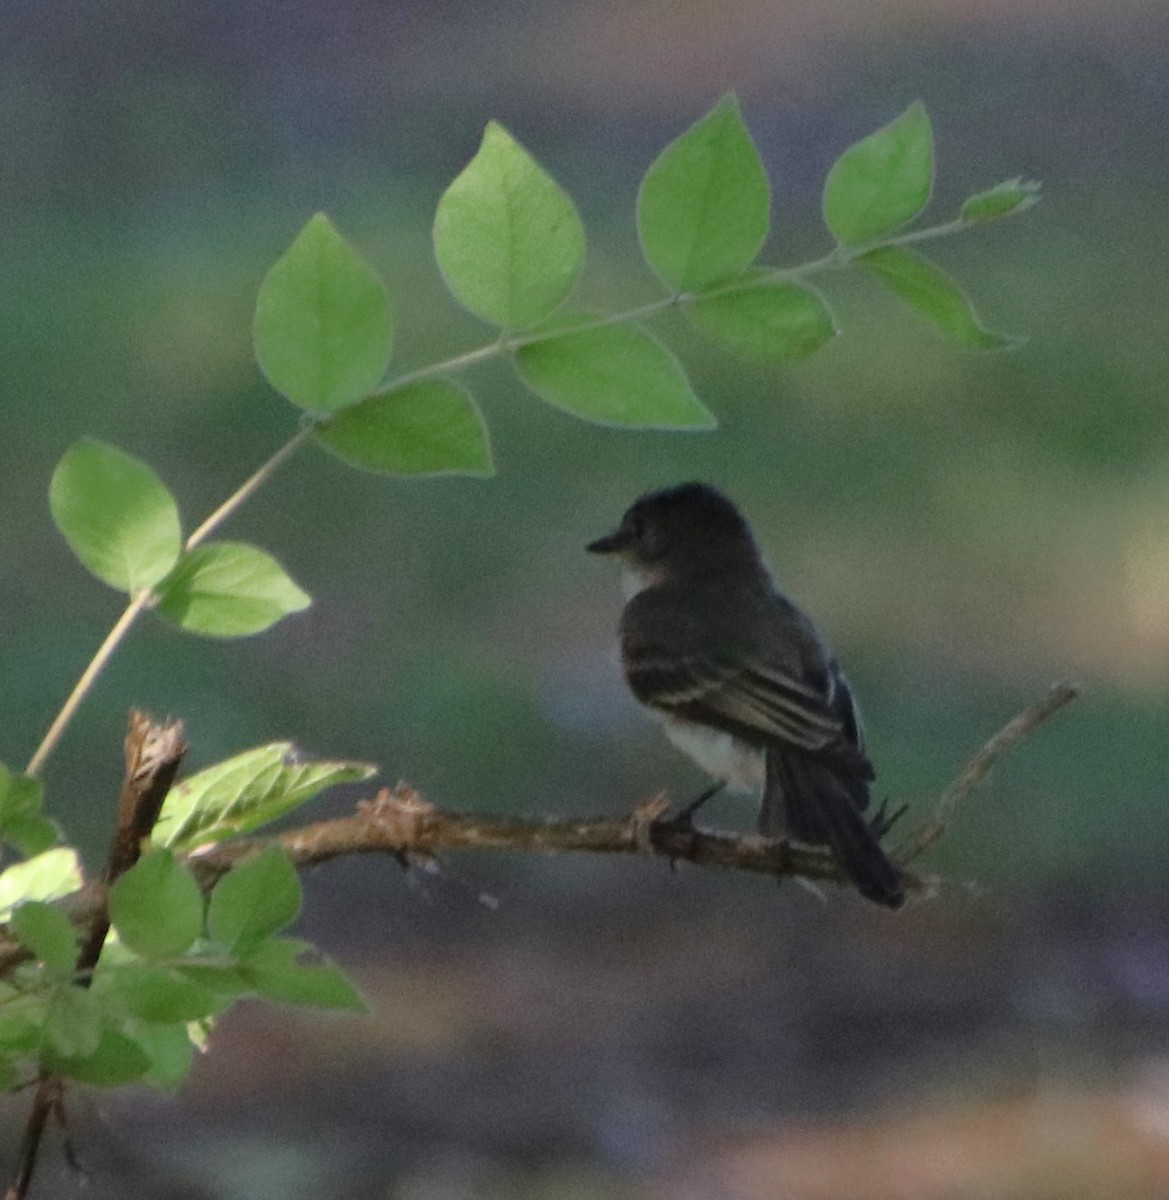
(153, 753)
(88, 678)
(977, 769)
(44, 1105)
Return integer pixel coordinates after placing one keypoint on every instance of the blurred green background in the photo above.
(966, 529)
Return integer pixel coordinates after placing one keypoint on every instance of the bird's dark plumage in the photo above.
(708, 642)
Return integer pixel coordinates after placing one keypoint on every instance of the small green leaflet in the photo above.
(245, 792)
(21, 823)
(508, 240)
(883, 181)
(20, 1028)
(432, 427)
(48, 933)
(157, 907)
(73, 1024)
(765, 321)
(276, 973)
(229, 589)
(1012, 195)
(323, 329)
(156, 995)
(255, 899)
(114, 1061)
(613, 375)
(116, 515)
(47, 876)
(704, 205)
(169, 1050)
(935, 296)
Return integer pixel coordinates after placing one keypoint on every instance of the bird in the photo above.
(742, 679)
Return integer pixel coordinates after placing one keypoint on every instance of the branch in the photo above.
(46, 1103)
(977, 769)
(402, 823)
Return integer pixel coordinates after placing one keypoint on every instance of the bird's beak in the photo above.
(611, 543)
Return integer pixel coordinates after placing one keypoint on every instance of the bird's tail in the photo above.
(810, 801)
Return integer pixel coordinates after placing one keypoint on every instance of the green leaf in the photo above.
(156, 994)
(276, 974)
(169, 1049)
(21, 823)
(11, 1076)
(883, 181)
(116, 515)
(253, 900)
(47, 876)
(704, 205)
(323, 329)
(613, 375)
(768, 322)
(224, 981)
(229, 589)
(245, 792)
(20, 1030)
(116, 1060)
(73, 1024)
(933, 294)
(432, 427)
(48, 933)
(508, 240)
(1012, 195)
(157, 907)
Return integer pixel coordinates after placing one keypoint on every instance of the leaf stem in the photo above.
(250, 485)
(480, 354)
(88, 678)
(846, 254)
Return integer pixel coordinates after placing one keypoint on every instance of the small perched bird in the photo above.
(742, 679)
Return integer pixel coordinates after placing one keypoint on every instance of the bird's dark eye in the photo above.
(636, 526)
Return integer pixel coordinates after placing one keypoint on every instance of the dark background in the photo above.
(966, 529)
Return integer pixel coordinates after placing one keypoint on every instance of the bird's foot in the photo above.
(683, 822)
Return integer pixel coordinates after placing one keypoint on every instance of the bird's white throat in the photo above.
(636, 578)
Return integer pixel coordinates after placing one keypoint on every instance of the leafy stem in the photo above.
(839, 257)
(146, 598)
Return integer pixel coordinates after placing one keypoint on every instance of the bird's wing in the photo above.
(745, 688)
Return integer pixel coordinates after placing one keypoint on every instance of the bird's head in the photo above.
(688, 530)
